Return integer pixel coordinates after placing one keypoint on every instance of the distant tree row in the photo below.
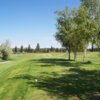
(37, 49)
(94, 49)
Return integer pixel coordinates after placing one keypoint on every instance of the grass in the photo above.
(50, 77)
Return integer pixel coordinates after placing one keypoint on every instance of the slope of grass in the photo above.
(50, 77)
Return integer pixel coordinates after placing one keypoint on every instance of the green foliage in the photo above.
(65, 28)
(85, 27)
(93, 7)
(29, 50)
(37, 49)
(76, 28)
(5, 49)
(74, 31)
(21, 49)
(52, 49)
(6, 46)
(98, 40)
(5, 55)
(15, 50)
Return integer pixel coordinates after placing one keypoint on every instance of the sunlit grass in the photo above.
(50, 76)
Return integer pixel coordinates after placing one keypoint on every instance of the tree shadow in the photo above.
(80, 83)
(47, 62)
(24, 77)
(84, 84)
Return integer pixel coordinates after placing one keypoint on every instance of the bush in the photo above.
(5, 50)
(5, 55)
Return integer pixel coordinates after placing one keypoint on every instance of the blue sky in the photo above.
(31, 21)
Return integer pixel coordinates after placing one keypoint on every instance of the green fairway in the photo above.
(50, 76)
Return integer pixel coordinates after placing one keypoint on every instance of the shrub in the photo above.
(5, 50)
(5, 55)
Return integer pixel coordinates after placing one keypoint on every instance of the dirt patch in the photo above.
(5, 62)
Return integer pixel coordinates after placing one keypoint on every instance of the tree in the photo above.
(52, 49)
(64, 27)
(15, 49)
(84, 28)
(98, 40)
(21, 49)
(5, 55)
(98, 27)
(37, 47)
(98, 33)
(29, 49)
(93, 7)
(26, 50)
(5, 49)
(75, 29)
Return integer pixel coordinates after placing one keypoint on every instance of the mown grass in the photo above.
(50, 76)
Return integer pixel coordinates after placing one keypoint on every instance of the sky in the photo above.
(26, 22)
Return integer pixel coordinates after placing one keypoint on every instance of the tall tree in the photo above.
(21, 49)
(82, 32)
(74, 31)
(93, 7)
(64, 26)
(29, 48)
(98, 27)
(15, 49)
(37, 47)
(98, 32)
(52, 49)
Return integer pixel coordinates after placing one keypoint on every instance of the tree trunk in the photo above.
(75, 55)
(69, 51)
(99, 50)
(84, 55)
(92, 47)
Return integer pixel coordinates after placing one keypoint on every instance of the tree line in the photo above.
(38, 49)
(6, 50)
(76, 28)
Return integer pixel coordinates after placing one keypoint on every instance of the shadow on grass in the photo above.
(24, 77)
(81, 84)
(46, 62)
